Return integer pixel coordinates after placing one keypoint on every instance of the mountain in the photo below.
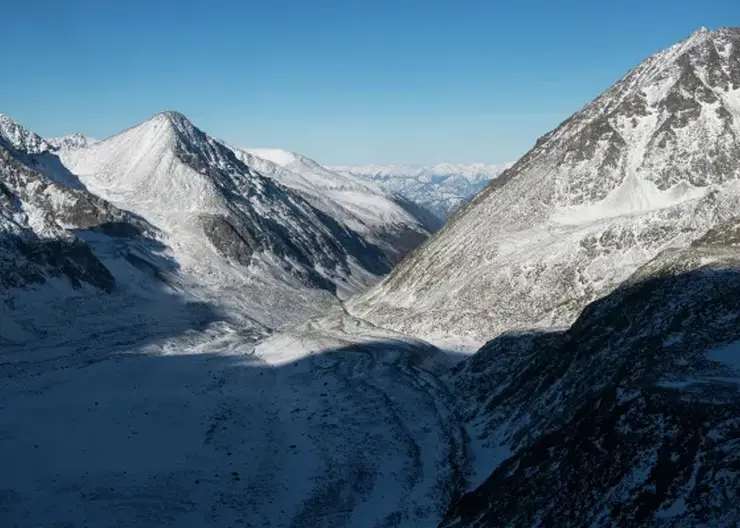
(142, 291)
(388, 220)
(629, 417)
(44, 259)
(143, 278)
(19, 138)
(441, 188)
(36, 152)
(649, 165)
(217, 212)
(163, 207)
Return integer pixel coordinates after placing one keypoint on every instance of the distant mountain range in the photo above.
(441, 188)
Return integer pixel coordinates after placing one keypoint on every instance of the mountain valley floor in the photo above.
(336, 423)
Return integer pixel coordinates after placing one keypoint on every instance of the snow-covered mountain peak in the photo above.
(314, 174)
(167, 125)
(20, 137)
(388, 220)
(217, 205)
(165, 163)
(627, 140)
(178, 123)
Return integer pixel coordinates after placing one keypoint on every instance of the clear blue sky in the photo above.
(384, 81)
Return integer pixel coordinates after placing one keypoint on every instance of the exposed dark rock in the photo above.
(236, 244)
(38, 259)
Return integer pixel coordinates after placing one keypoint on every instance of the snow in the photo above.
(179, 409)
(678, 507)
(673, 339)
(73, 141)
(674, 510)
(636, 196)
(21, 138)
(361, 205)
(678, 384)
(142, 170)
(163, 403)
(274, 155)
(333, 423)
(631, 175)
(728, 355)
(484, 458)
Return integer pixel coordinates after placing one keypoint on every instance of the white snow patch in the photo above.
(485, 458)
(674, 510)
(673, 339)
(634, 197)
(729, 355)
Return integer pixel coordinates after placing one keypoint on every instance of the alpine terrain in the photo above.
(650, 164)
(630, 417)
(187, 337)
(441, 188)
(137, 276)
(389, 220)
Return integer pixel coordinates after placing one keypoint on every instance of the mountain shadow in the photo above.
(155, 410)
(88, 297)
(628, 418)
(196, 429)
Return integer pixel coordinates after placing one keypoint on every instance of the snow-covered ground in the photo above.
(333, 424)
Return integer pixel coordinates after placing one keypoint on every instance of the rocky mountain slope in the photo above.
(628, 418)
(650, 164)
(388, 220)
(441, 188)
(213, 206)
(43, 256)
(141, 276)
(73, 141)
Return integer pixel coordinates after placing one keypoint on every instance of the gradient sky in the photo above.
(371, 81)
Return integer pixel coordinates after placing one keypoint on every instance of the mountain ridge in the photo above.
(646, 165)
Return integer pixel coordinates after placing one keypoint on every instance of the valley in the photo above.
(199, 334)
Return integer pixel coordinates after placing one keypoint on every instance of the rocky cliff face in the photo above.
(647, 166)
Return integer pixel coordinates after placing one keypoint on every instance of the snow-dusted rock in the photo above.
(388, 220)
(630, 417)
(73, 141)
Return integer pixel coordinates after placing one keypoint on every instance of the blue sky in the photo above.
(372, 81)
